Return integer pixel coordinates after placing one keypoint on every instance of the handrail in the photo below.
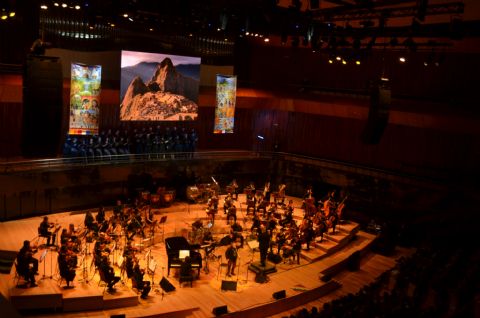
(63, 163)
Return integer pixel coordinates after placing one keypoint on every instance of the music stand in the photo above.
(42, 259)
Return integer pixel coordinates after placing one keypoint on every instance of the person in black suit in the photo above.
(27, 265)
(142, 285)
(231, 255)
(264, 244)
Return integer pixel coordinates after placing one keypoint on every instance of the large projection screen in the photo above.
(84, 99)
(225, 108)
(158, 87)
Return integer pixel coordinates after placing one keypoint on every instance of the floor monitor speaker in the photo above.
(220, 310)
(166, 285)
(229, 285)
(279, 294)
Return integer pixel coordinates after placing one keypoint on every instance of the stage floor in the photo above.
(301, 282)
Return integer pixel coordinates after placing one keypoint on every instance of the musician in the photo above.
(117, 209)
(280, 240)
(27, 265)
(231, 255)
(266, 191)
(232, 213)
(108, 273)
(236, 234)
(264, 244)
(67, 262)
(271, 225)
(129, 259)
(72, 233)
(227, 203)
(137, 280)
(308, 193)
(234, 186)
(255, 224)
(296, 248)
(89, 220)
(186, 267)
(100, 215)
(308, 234)
(44, 230)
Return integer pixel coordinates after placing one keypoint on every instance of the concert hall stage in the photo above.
(301, 283)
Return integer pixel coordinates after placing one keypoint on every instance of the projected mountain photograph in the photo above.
(159, 87)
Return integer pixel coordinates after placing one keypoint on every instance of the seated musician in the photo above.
(27, 265)
(236, 235)
(234, 186)
(118, 209)
(186, 267)
(280, 239)
(67, 262)
(271, 225)
(293, 250)
(44, 230)
(255, 224)
(271, 209)
(108, 273)
(129, 258)
(232, 213)
(72, 233)
(140, 284)
(227, 203)
(100, 215)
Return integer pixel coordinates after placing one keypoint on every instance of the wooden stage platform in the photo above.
(302, 283)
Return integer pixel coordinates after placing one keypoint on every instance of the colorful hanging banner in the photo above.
(84, 99)
(225, 108)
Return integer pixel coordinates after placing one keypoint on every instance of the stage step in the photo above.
(123, 297)
(312, 255)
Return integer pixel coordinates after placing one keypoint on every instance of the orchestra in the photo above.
(276, 227)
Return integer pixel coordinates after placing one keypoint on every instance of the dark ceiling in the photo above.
(212, 28)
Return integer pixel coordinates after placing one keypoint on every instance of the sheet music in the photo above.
(44, 254)
(152, 266)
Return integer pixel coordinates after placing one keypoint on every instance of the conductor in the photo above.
(264, 243)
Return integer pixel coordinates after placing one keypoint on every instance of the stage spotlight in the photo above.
(12, 14)
(130, 19)
(266, 40)
(402, 59)
(151, 29)
(260, 137)
(56, 4)
(43, 7)
(4, 17)
(425, 63)
(125, 15)
(77, 7)
(338, 58)
(344, 62)
(64, 5)
(358, 62)
(330, 61)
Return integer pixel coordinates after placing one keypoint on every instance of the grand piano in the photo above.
(178, 245)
